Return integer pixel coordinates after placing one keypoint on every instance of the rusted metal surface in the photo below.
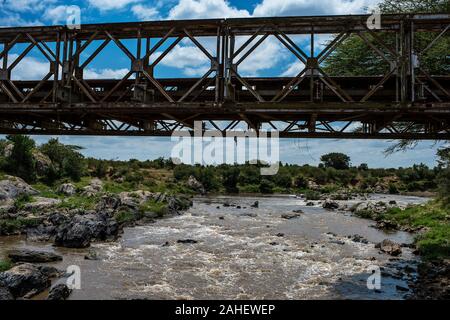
(406, 102)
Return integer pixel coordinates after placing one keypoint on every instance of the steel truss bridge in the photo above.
(405, 103)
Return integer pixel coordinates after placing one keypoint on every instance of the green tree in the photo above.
(338, 161)
(230, 178)
(444, 176)
(66, 159)
(21, 162)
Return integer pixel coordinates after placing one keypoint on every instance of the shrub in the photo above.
(21, 162)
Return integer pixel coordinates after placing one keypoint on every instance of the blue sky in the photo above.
(270, 60)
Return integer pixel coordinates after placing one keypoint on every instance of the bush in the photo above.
(300, 182)
(21, 162)
(266, 186)
(5, 265)
(312, 195)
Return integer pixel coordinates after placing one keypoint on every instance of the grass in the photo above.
(158, 208)
(79, 202)
(5, 265)
(8, 226)
(124, 217)
(435, 243)
(22, 200)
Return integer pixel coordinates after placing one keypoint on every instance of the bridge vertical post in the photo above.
(412, 63)
(57, 66)
(5, 56)
(312, 70)
(219, 71)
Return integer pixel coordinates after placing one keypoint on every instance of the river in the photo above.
(246, 253)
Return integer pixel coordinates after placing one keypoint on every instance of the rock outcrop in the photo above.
(195, 185)
(14, 187)
(389, 247)
(82, 229)
(67, 189)
(31, 256)
(25, 280)
(59, 292)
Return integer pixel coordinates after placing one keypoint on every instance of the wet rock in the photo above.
(187, 241)
(433, 282)
(5, 294)
(400, 288)
(33, 256)
(389, 247)
(82, 229)
(166, 244)
(14, 187)
(24, 279)
(255, 205)
(290, 216)
(41, 233)
(251, 215)
(238, 207)
(386, 225)
(91, 256)
(393, 202)
(51, 272)
(359, 239)
(221, 218)
(59, 292)
(274, 243)
(330, 205)
(67, 189)
(339, 242)
(195, 185)
(227, 205)
(280, 235)
(298, 211)
(310, 204)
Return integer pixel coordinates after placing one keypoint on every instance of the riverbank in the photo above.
(88, 214)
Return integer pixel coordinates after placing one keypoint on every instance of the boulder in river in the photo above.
(255, 205)
(390, 247)
(330, 205)
(5, 294)
(82, 229)
(59, 292)
(187, 241)
(24, 279)
(31, 256)
(290, 216)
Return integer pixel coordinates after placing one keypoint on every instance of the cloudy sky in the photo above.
(186, 61)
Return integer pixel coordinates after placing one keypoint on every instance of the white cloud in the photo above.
(145, 13)
(293, 69)
(56, 14)
(190, 59)
(92, 73)
(205, 9)
(27, 5)
(308, 7)
(105, 5)
(29, 68)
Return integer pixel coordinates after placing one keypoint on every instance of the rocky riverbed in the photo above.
(222, 247)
